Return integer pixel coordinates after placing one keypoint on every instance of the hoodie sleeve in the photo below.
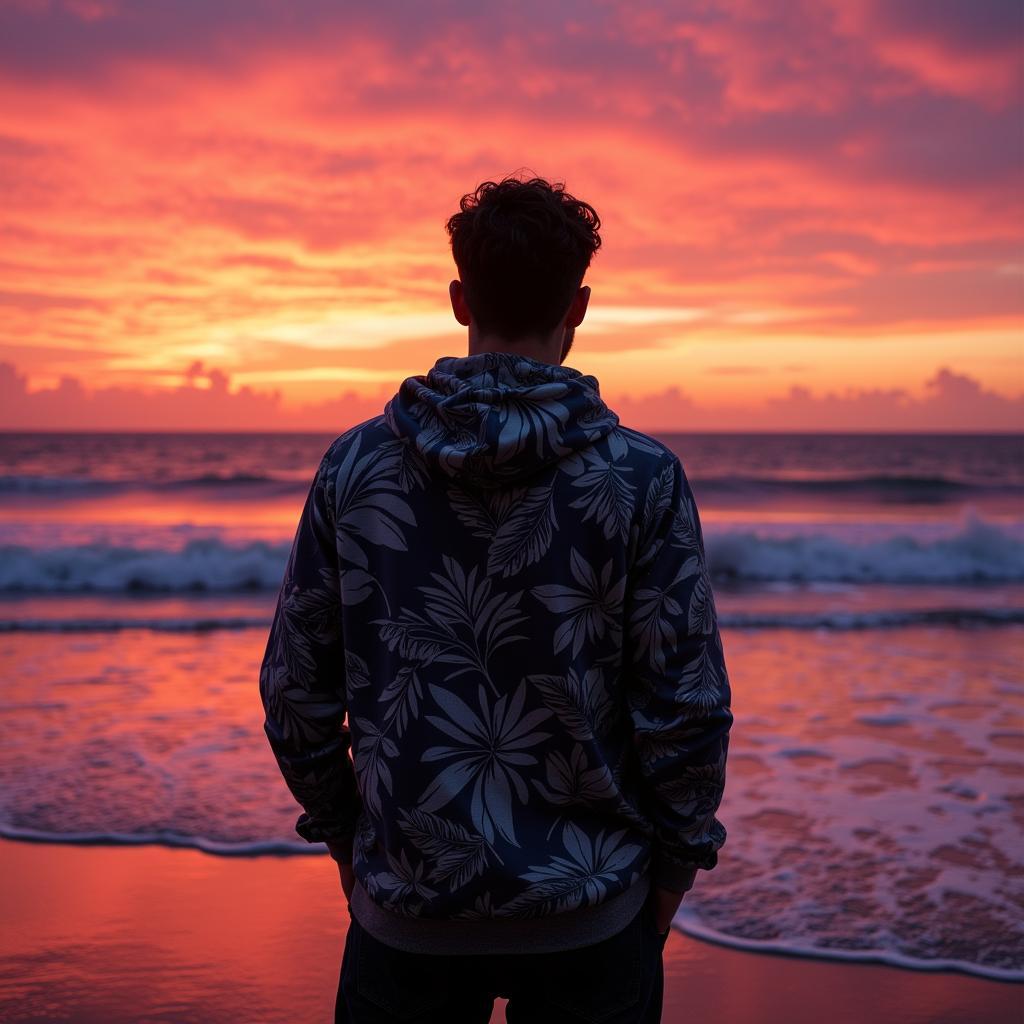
(302, 680)
(679, 686)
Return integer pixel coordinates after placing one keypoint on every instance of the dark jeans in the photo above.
(617, 981)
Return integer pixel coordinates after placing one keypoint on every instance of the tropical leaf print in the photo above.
(700, 685)
(657, 612)
(618, 447)
(701, 618)
(557, 891)
(413, 472)
(305, 717)
(356, 585)
(582, 706)
(366, 837)
(458, 855)
(475, 511)
(416, 638)
(653, 625)
(482, 910)
(489, 752)
(608, 496)
(463, 622)
(696, 790)
(357, 673)
(570, 780)
(402, 697)
(290, 656)
(592, 609)
(659, 495)
(640, 442)
(309, 616)
(593, 421)
(373, 752)
(466, 607)
(405, 880)
(546, 718)
(524, 535)
(370, 506)
(536, 418)
(685, 529)
(483, 511)
(627, 798)
(656, 739)
(706, 831)
(578, 879)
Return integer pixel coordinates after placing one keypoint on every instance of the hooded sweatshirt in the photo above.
(494, 680)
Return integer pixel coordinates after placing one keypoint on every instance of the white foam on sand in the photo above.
(874, 795)
(689, 923)
(893, 831)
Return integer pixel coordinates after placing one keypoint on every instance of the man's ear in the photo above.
(458, 296)
(578, 309)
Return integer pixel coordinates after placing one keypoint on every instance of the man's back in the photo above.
(504, 593)
(529, 658)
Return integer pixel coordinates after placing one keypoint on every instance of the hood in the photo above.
(497, 418)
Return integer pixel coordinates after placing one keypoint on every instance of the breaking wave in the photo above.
(979, 552)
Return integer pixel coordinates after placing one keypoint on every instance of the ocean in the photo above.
(870, 590)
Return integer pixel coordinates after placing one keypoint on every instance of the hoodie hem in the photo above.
(548, 934)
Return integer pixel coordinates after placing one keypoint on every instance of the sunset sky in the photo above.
(231, 214)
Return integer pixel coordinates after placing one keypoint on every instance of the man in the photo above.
(506, 592)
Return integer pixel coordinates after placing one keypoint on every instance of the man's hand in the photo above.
(665, 903)
(341, 853)
(348, 879)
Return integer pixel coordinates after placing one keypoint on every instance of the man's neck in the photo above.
(545, 349)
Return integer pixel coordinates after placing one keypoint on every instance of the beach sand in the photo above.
(147, 933)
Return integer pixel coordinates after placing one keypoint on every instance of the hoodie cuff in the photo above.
(315, 831)
(675, 877)
(340, 849)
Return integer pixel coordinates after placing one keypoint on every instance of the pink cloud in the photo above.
(952, 402)
(176, 173)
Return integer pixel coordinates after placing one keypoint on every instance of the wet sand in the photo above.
(125, 935)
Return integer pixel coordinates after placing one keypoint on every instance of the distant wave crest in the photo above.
(979, 553)
(202, 565)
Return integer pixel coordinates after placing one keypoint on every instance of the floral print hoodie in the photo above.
(494, 678)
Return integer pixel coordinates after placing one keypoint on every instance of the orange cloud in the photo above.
(952, 402)
(204, 400)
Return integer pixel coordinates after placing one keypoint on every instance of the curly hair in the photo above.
(522, 248)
